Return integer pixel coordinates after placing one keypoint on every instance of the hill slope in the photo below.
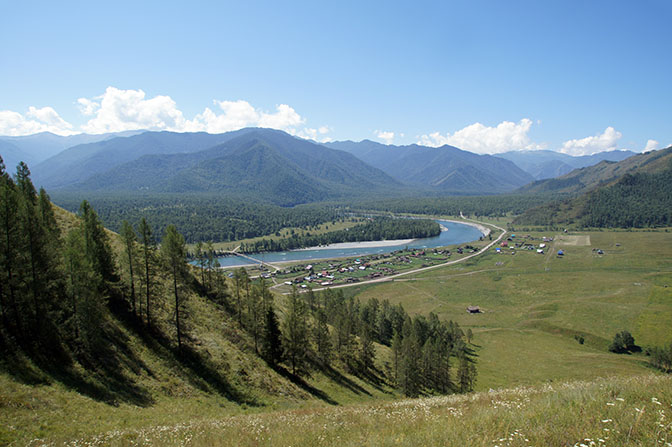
(265, 164)
(585, 179)
(550, 164)
(444, 169)
(636, 192)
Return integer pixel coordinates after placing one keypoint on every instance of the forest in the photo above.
(65, 279)
(375, 229)
(493, 205)
(200, 217)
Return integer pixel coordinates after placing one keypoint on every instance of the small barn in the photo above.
(474, 309)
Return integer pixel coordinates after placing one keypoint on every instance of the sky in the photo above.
(486, 76)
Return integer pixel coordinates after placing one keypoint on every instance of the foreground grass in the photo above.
(633, 411)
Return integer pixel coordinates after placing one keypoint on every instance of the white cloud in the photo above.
(36, 120)
(506, 136)
(386, 136)
(651, 145)
(118, 110)
(318, 135)
(606, 141)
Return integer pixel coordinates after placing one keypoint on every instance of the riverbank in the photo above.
(361, 244)
(482, 228)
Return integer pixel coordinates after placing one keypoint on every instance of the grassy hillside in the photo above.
(217, 391)
(622, 412)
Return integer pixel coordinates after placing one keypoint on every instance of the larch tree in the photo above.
(295, 332)
(148, 248)
(174, 253)
(129, 237)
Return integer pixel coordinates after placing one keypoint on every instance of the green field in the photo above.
(535, 304)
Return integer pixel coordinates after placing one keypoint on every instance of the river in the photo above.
(453, 233)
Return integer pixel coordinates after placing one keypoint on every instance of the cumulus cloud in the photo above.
(117, 110)
(606, 141)
(235, 115)
(386, 136)
(506, 136)
(318, 134)
(651, 145)
(35, 120)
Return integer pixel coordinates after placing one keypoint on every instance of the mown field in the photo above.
(534, 305)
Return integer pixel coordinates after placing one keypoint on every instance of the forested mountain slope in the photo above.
(550, 164)
(443, 169)
(270, 165)
(605, 172)
(640, 197)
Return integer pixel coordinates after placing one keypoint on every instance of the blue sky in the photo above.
(490, 76)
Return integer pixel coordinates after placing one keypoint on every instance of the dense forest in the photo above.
(638, 200)
(495, 205)
(375, 229)
(201, 217)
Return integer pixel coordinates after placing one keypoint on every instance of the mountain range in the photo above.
(550, 164)
(445, 169)
(35, 148)
(274, 166)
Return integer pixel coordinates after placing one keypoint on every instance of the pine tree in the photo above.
(410, 360)
(174, 254)
(295, 332)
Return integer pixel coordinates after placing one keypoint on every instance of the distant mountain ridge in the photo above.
(446, 169)
(35, 148)
(550, 164)
(268, 164)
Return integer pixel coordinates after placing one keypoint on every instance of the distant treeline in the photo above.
(495, 206)
(378, 228)
(201, 217)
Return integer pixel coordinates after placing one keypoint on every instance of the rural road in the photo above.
(410, 272)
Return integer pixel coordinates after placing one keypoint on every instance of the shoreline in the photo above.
(360, 244)
(482, 228)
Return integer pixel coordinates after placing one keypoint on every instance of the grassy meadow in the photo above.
(534, 305)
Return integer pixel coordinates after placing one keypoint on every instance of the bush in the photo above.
(623, 342)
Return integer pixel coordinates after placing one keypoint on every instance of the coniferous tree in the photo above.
(271, 347)
(148, 248)
(174, 254)
(129, 237)
(295, 332)
(240, 282)
(322, 338)
(410, 364)
(10, 243)
(367, 352)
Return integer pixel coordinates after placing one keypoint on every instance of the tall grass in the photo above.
(635, 411)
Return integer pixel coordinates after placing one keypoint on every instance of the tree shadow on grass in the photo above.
(298, 381)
